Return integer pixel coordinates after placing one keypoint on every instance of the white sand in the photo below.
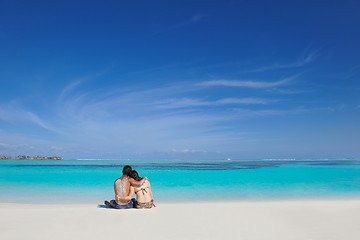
(305, 220)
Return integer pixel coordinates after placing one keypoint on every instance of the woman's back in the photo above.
(144, 196)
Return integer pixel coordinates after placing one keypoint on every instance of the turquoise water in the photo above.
(92, 180)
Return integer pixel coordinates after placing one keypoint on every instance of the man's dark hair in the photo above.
(126, 170)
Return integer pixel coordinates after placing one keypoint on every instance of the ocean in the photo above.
(91, 181)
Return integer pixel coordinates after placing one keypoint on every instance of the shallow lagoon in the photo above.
(92, 180)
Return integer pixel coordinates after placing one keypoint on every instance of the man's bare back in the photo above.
(122, 190)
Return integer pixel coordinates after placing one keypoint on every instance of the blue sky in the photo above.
(180, 79)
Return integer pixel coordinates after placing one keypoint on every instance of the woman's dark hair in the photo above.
(134, 174)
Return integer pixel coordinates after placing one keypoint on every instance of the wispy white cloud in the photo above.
(246, 101)
(304, 61)
(191, 102)
(75, 84)
(250, 113)
(192, 20)
(175, 100)
(186, 150)
(182, 115)
(244, 84)
(14, 113)
(70, 88)
(21, 143)
(35, 119)
(5, 147)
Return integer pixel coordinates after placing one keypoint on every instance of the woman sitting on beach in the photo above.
(144, 197)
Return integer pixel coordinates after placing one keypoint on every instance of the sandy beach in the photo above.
(286, 219)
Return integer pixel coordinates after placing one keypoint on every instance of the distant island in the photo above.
(25, 157)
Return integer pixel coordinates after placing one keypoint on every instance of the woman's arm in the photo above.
(151, 195)
(135, 183)
(150, 191)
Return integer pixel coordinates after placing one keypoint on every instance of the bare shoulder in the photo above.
(117, 180)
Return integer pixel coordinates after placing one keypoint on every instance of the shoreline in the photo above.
(249, 219)
(100, 201)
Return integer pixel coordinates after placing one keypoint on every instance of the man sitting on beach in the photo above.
(123, 190)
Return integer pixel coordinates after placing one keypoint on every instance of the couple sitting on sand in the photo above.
(125, 187)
